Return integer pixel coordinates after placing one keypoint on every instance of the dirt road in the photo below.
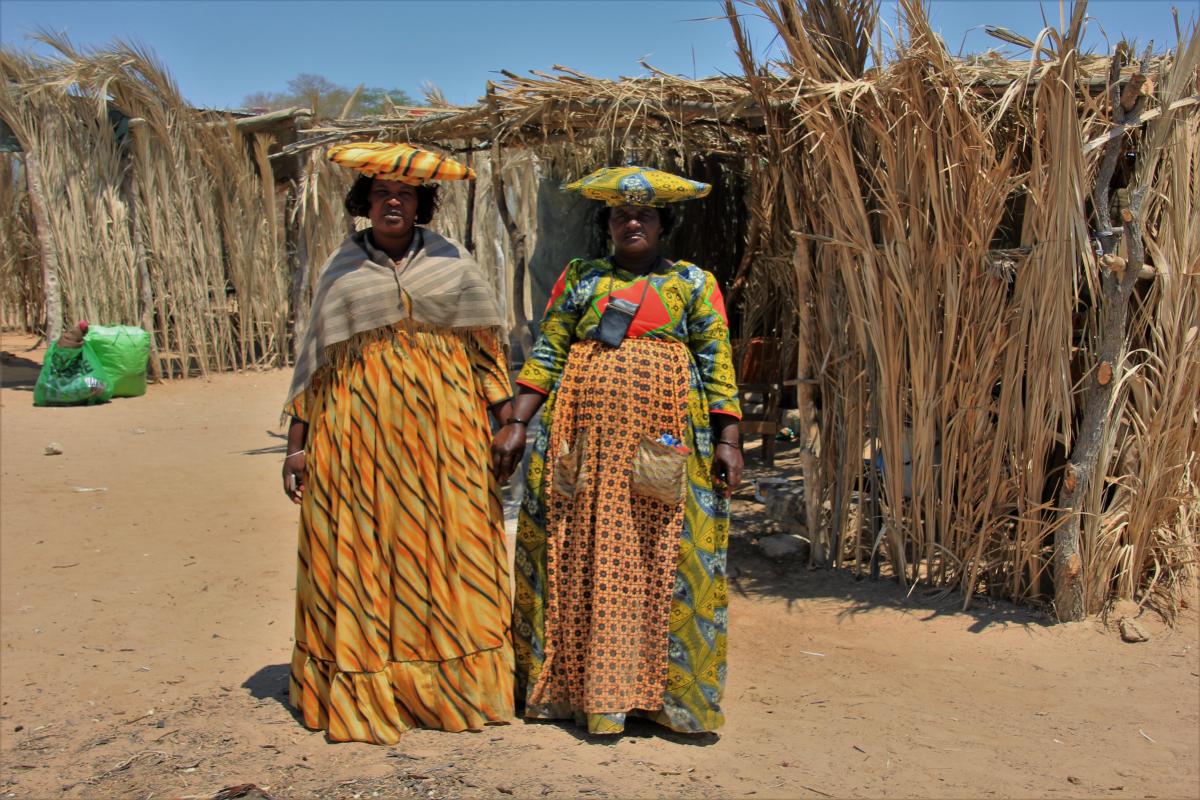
(146, 589)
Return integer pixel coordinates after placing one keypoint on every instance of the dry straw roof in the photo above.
(710, 114)
(545, 108)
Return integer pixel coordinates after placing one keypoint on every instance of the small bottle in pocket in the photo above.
(671, 441)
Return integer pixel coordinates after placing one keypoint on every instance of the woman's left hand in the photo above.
(727, 466)
(508, 447)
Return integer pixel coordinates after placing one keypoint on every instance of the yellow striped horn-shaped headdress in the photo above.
(397, 161)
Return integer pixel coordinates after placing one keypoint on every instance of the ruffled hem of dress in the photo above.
(613, 723)
(377, 707)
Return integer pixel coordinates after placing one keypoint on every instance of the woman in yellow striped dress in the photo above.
(402, 607)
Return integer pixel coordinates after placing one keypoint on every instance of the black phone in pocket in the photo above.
(615, 321)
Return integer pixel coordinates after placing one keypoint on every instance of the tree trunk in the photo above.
(1099, 416)
(41, 220)
(1070, 602)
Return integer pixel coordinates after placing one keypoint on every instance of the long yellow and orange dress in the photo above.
(402, 608)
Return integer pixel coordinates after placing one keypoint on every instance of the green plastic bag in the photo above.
(71, 376)
(123, 352)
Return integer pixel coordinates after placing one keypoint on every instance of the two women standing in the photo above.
(403, 610)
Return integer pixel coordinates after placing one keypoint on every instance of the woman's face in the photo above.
(635, 230)
(392, 209)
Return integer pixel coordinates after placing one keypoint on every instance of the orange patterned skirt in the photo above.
(611, 556)
(402, 607)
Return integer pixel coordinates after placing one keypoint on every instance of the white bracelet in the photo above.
(289, 455)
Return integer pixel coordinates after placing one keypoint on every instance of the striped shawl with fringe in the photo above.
(437, 284)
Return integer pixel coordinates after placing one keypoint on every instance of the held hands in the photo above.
(727, 467)
(508, 447)
(293, 476)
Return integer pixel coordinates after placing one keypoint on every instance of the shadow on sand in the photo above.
(635, 728)
(270, 683)
(275, 449)
(18, 372)
(753, 575)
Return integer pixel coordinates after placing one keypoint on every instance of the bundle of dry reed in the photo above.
(956, 360)
(78, 197)
(21, 296)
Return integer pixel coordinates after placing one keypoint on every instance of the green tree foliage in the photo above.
(328, 99)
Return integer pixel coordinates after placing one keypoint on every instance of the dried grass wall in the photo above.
(493, 248)
(157, 214)
(21, 290)
(958, 359)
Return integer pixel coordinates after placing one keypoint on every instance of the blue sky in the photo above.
(219, 51)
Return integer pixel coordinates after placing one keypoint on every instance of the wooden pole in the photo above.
(1116, 281)
(41, 219)
(515, 237)
(298, 268)
(762, 188)
(145, 289)
(469, 224)
(810, 427)
(874, 513)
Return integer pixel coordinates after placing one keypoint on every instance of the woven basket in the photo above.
(659, 471)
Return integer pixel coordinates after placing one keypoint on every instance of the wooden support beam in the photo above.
(145, 289)
(469, 223)
(1118, 129)
(1111, 347)
(297, 262)
(516, 237)
(41, 221)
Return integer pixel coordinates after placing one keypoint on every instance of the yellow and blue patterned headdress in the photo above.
(637, 186)
(397, 161)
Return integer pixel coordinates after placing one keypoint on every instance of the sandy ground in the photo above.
(146, 581)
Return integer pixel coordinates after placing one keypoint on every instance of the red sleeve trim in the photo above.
(557, 291)
(726, 413)
(537, 389)
(718, 302)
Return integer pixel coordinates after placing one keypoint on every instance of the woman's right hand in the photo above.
(293, 476)
(508, 447)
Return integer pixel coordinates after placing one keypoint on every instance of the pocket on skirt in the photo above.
(659, 471)
(568, 469)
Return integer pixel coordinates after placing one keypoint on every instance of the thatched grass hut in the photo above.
(143, 210)
(981, 275)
